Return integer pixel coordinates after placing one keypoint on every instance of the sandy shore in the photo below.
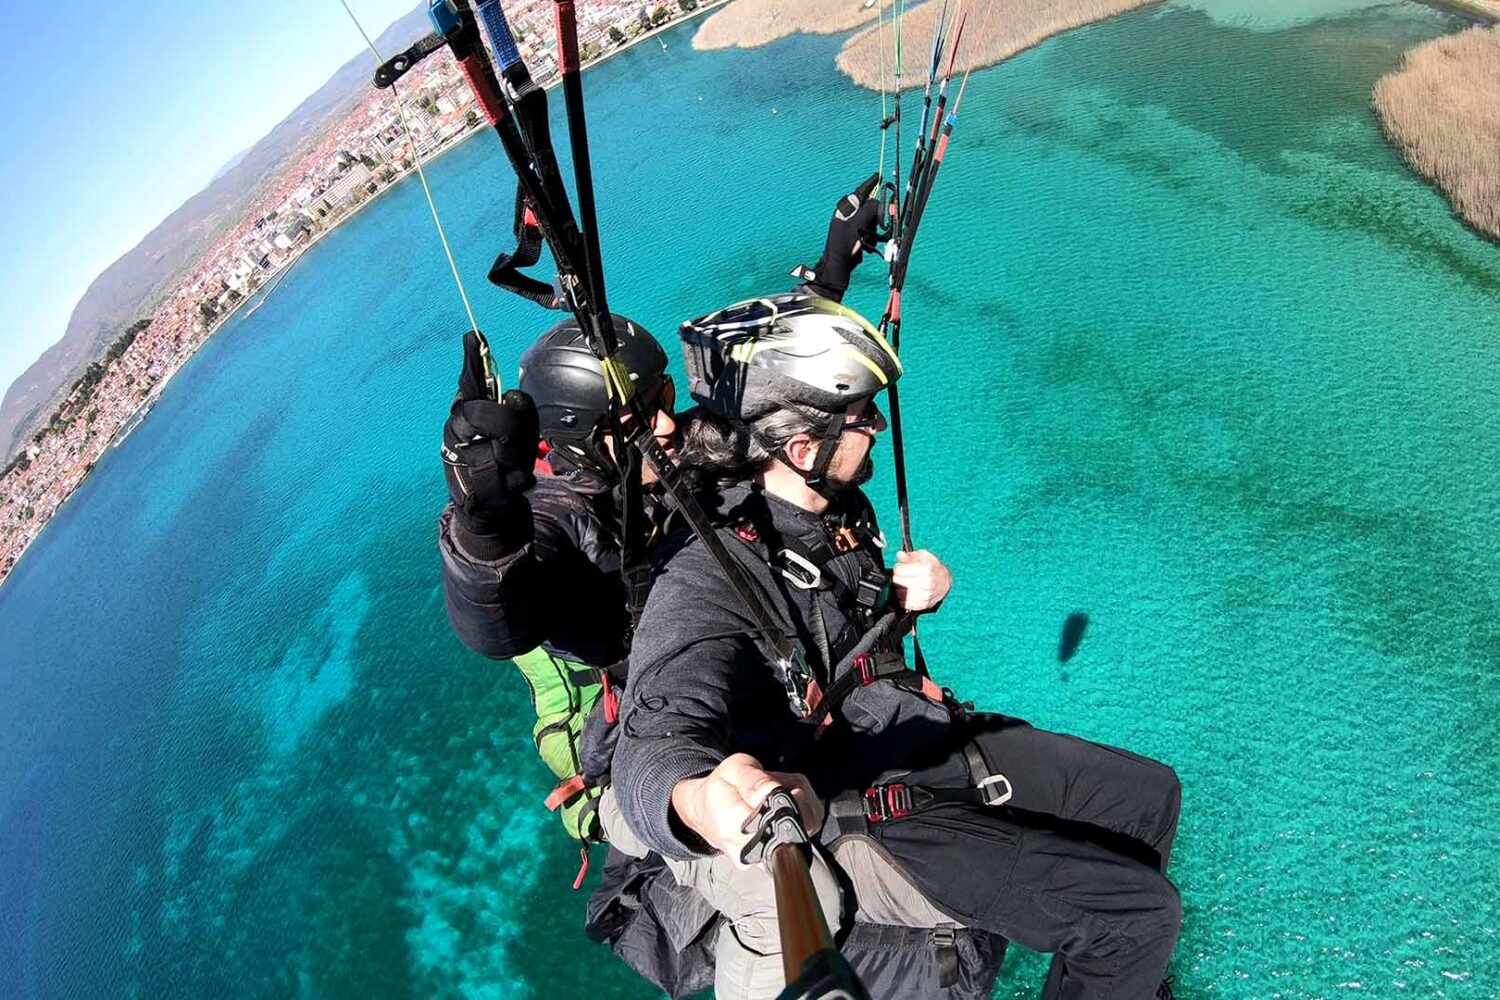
(748, 24)
(1441, 109)
(1487, 11)
(997, 30)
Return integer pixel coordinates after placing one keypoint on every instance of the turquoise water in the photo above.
(1189, 352)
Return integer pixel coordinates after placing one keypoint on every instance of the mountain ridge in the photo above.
(133, 285)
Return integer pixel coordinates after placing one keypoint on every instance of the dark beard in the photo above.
(862, 475)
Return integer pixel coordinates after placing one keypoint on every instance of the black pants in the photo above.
(1073, 864)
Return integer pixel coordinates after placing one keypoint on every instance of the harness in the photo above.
(855, 811)
(868, 648)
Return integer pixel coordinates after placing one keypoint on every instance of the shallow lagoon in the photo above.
(1189, 352)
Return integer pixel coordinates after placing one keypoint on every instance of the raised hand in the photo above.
(853, 230)
(489, 445)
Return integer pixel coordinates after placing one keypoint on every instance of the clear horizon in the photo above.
(111, 153)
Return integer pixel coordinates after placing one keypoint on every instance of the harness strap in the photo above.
(507, 272)
(847, 810)
(868, 668)
(583, 867)
(611, 699)
(945, 951)
(897, 799)
(565, 790)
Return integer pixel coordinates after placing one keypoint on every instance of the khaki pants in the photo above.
(747, 962)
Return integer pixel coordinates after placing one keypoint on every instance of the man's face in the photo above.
(659, 403)
(850, 461)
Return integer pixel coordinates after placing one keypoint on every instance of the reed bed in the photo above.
(751, 23)
(997, 30)
(1441, 109)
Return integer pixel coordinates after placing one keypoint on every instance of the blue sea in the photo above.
(1189, 352)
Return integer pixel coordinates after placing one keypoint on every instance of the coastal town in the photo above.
(369, 150)
(363, 155)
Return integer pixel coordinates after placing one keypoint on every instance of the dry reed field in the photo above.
(997, 30)
(751, 23)
(1441, 109)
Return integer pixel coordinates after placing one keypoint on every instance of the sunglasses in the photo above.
(871, 420)
(662, 397)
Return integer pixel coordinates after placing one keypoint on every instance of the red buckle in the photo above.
(864, 665)
(746, 531)
(845, 540)
(884, 802)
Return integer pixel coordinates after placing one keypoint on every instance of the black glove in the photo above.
(853, 230)
(489, 449)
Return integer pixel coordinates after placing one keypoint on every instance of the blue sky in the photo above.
(118, 112)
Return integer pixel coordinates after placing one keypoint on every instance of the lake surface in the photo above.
(1189, 352)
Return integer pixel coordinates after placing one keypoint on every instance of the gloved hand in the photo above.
(489, 447)
(853, 230)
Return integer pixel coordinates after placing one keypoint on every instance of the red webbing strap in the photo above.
(583, 868)
(480, 84)
(611, 700)
(931, 691)
(565, 790)
(567, 35)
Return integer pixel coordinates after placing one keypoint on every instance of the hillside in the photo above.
(131, 287)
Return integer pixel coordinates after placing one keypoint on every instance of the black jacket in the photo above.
(701, 686)
(560, 590)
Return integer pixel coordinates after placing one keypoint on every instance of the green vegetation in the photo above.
(125, 339)
(82, 391)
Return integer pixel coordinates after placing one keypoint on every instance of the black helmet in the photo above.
(797, 351)
(566, 382)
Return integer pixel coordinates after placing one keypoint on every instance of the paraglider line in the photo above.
(426, 189)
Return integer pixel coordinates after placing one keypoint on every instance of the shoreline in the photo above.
(149, 402)
(864, 61)
(1482, 11)
(751, 24)
(275, 279)
(1440, 112)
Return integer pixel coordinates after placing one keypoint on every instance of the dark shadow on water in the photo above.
(1074, 626)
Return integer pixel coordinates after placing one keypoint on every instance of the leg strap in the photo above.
(987, 787)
